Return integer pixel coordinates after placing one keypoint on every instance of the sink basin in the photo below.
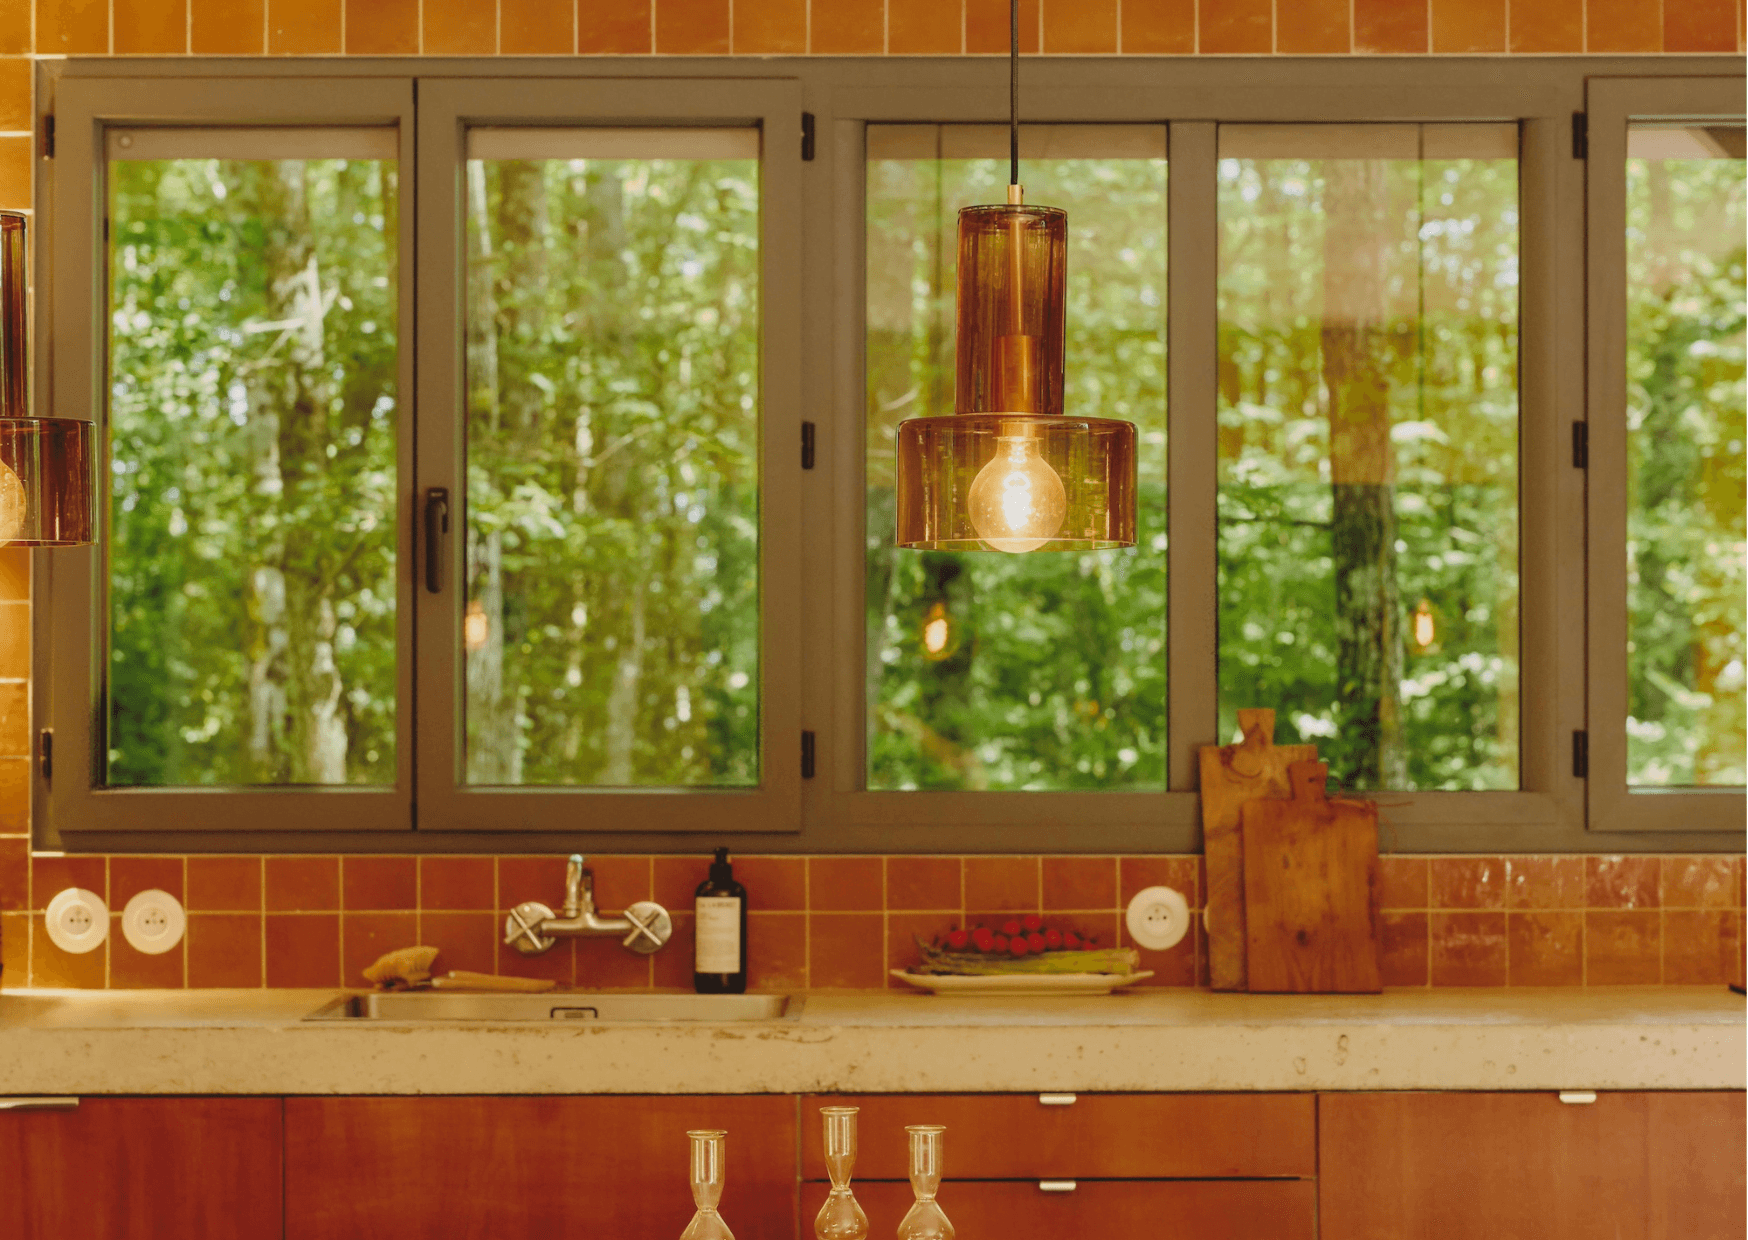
(557, 1005)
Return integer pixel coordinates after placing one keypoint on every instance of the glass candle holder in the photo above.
(925, 1219)
(709, 1146)
(841, 1217)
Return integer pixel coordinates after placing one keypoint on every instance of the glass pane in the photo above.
(1686, 219)
(612, 623)
(1368, 538)
(252, 422)
(1003, 672)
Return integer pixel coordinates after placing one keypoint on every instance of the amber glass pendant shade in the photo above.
(46, 481)
(1008, 471)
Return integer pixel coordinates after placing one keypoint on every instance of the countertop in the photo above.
(258, 1042)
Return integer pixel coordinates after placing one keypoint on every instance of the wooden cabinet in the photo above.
(1020, 1210)
(1630, 1166)
(473, 1168)
(143, 1169)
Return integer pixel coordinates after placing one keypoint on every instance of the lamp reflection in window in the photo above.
(940, 634)
(476, 626)
(1424, 628)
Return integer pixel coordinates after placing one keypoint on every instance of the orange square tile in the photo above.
(1698, 882)
(845, 884)
(1313, 27)
(1544, 882)
(1001, 883)
(227, 27)
(463, 940)
(51, 874)
(460, 28)
(776, 951)
(1697, 947)
(1389, 27)
(1546, 949)
(1079, 882)
(1622, 882)
(15, 40)
(224, 884)
(621, 879)
(1235, 27)
(692, 27)
(135, 970)
(619, 29)
(530, 878)
(1699, 26)
(52, 967)
(986, 26)
(382, 27)
(1547, 27)
(1402, 882)
(128, 876)
(559, 964)
(677, 879)
(602, 964)
(1741, 881)
(72, 27)
(1080, 27)
(1402, 949)
(774, 884)
(14, 796)
(15, 164)
(456, 883)
(302, 884)
(846, 951)
(15, 711)
(14, 951)
(303, 949)
(1622, 948)
(671, 967)
(536, 27)
(15, 617)
(1623, 26)
(376, 883)
(1467, 949)
(14, 114)
(303, 27)
(1466, 882)
(1159, 27)
(366, 936)
(924, 27)
(1176, 966)
(846, 27)
(1181, 874)
(151, 27)
(224, 950)
(902, 932)
(770, 27)
(14, 875)
(1468, 26)
(922, 883)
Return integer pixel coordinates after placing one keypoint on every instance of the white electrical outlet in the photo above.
(77, 921)
(153, 922)
(1158, 918)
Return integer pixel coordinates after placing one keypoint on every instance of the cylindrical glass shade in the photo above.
(1016, 482)
(1013, 269)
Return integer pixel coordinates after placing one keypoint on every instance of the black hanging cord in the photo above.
(1013, 92)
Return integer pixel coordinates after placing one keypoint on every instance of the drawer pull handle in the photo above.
(1578, 1097)
(1057, 1100)
(39, 1104)
(1057, 1186)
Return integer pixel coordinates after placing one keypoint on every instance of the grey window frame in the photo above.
(833, 812)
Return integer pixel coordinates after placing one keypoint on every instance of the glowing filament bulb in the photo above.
(1017, 501)
(13, 506)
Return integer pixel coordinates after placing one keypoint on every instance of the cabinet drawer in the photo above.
(1108, 1136)
(1020, 1210)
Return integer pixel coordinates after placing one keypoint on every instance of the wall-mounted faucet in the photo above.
(532, 928)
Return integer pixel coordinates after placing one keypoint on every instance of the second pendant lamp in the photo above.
(1008, 470)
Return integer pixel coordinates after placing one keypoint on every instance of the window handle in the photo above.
(1057, 1186)
(1056, 1100)
(436, 536)
(39, 1104)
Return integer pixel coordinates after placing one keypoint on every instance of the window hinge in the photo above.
(807, 755)
(48, 136)
(807, 445)
(45, 753)
(807, 136)
(1581, 755)
(1580, 445)
(1580, 136)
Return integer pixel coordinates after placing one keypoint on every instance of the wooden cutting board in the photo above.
(1232, 775)
(1311, 890)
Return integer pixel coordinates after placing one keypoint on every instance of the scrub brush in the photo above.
(406, 969)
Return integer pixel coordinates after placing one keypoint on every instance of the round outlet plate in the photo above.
(153, 922)
(1158, 918)
(77, 921)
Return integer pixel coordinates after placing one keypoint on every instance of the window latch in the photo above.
(436, 537)
(807, 755)
(1580, 136)
(45, 753)
(807, 137)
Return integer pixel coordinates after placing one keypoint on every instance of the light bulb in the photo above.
(1017, 501)
(12, 504)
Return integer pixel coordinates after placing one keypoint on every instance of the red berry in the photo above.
(1071, 940)
(1034, 922)
(1053, 939)
(999, 943)
(1035, 941)
(1011, 928)
(957, 940)
(1017, 945)
(984, 939)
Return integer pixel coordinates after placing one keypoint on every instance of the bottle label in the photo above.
(718, 934)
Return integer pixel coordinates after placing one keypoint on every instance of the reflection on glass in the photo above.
(252, 410)
(1686, 219)
(1368, 541)
(1007, 672)
(612, 616)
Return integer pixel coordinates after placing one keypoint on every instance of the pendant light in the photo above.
(46, 489)
(1008, 470)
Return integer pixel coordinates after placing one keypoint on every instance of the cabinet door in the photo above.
(143, 1169)
(1630, 1166)
(493, 1167)
(1094, 1209)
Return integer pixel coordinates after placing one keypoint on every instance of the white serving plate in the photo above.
(1022, 983)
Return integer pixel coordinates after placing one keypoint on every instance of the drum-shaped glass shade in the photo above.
(1015, 483)
(45, 482)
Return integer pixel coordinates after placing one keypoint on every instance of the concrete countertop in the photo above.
(258, 1042)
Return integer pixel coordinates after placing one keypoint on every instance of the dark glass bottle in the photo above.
(720, 963)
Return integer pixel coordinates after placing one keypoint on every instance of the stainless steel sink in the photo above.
(421, 1006)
